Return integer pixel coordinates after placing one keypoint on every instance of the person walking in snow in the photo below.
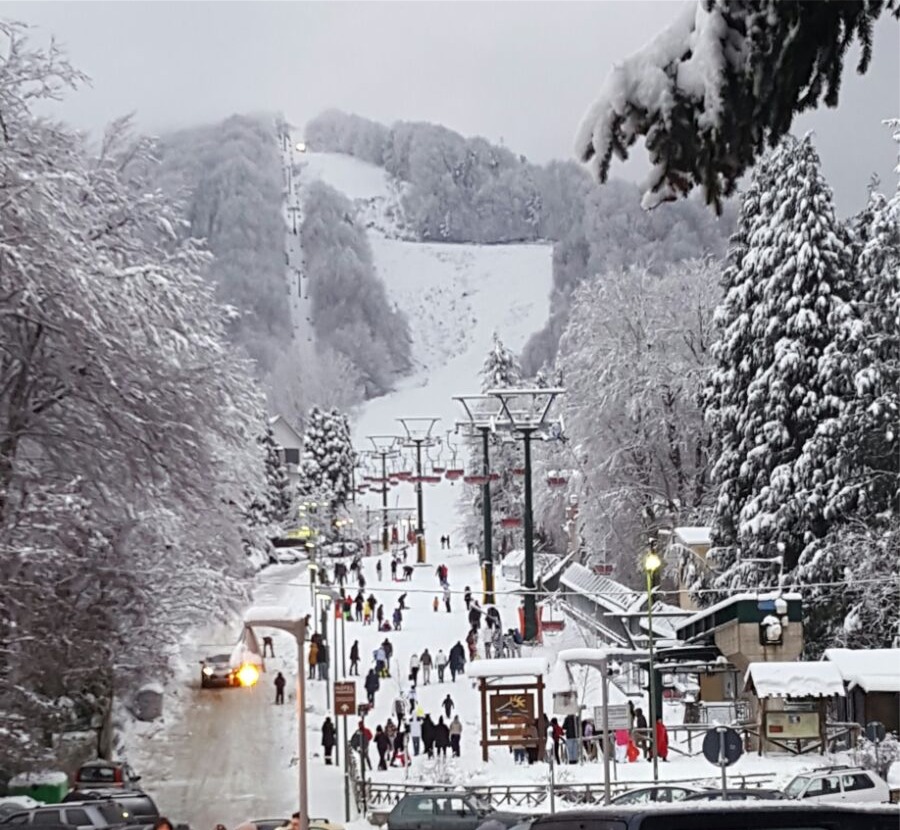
(382, 747)
(447, 598)
(428, 736)
(313, 658)
(379, 615)
(487, 637)
(457, 660)
(441, 738)
(400, 707)
(360, 742)
(407, 572)
(426, 663)
(440, 660)
(388, 647)
(448, 705)
(435, 605)
(401, 602)
(328, 739)
(455, 735)
(372, 685)
(467, 598)
(322, 660)
(359, 601)
(497, 642)
(412, 697)
(397, 618)
(393, 570)
(415, 733)
(475, 615)
(378, 570)
(414, 668)
(354, 658)
(380, 660)
(279, 689)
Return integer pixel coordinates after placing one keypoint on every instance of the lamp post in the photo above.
(281, 618)
(418, 435)
(652, 563)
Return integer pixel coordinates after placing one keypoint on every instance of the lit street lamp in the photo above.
(652, 564)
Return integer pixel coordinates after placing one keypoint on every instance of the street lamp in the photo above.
(652, 564)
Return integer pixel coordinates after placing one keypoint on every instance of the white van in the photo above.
(838, 784)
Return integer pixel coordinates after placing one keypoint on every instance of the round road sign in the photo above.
(722, 746)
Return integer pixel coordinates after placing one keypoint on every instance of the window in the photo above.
(78, 818)
(453, 806)
(19, 818)
(47, 817)
(823, 786)
(420, 807)
(857, 781)
(291, 455)
(796, 786)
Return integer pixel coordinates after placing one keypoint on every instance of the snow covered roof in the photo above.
(693, 535)
(508, 667)
(872, 669)
(514, 558)
(612, 595)
(594, 656)
(733, 600)
(794, 679)
(267, 614)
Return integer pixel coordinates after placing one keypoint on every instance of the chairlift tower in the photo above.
(384, 447)
(526, 411)
(418, 434)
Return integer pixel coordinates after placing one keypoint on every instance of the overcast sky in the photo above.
(521, 72)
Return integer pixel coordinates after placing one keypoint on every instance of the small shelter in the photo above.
(793, 703)
(871, 678)
(512, 702)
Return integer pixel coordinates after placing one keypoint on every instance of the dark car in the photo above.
(663, 794)
(81, 814)
(105, 774)
(750, 794)
(738, 815)
(136, 805)
(216, 670)
(445, 810)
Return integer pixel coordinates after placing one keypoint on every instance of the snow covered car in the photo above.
(445, 810)
(748, 794)
(286, 556)
(217, 670)
(838, 784)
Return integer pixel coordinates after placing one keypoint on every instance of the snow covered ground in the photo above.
(229, 755)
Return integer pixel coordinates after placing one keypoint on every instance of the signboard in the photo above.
(512, 709)
(722, 746)
(565, 703)
(345, 698)
(792, 725)
(875, 731)
(619, 717)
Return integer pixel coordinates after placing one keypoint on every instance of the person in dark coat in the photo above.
(328, 739)
(383, 745)
(360, 599)
(467, 598)
(475, 616)
(279, 688)
(448, 705)
(457, 660)
(372, 685)
(643, 741)
(570, 728)
(428, 736)
(441, 738)
(354, 658)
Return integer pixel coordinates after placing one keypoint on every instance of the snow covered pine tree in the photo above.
(326, 468)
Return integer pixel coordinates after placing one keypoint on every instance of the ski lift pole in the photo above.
(487, 555)
(530, 633)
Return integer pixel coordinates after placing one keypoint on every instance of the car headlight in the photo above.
(207, 671)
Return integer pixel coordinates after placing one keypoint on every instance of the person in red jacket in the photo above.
(662, 740)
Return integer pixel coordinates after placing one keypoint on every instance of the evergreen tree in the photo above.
(719, 84)
(501, 368)
(786, 288)
(273, 506)
(326, 468)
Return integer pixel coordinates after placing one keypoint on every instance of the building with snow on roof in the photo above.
(871, 680)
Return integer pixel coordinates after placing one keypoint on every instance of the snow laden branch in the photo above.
(717, 86)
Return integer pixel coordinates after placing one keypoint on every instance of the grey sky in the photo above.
(523, 72)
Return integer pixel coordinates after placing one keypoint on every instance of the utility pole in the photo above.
(384, 447)
(418, 434)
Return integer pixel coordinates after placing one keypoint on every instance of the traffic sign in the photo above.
(875, 731)
(722, 746)
(619, 716)
(345, 697)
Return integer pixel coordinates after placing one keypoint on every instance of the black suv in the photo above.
(137, 807)
(82, 814)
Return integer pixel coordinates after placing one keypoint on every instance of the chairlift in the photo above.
(518, 471)
(495, 476)
(478, 480)
(556, 480)
(510, 522)
(454, 473)
(432, 479)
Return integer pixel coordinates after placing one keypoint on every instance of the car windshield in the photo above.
(219, 659)
(796, 787)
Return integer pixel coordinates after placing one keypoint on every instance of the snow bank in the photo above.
(794, 679)
(508, 667)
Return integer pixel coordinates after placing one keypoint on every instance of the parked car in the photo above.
(647, 795)
(275, 823)
(216, 670)
(101, 773)
(84, 814)
(445, 810)
(286, 556)
(16, 804)
(838, 784)
(737, 794)
(738, 815)
(137, 806)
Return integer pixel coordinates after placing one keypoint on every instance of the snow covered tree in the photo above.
(272, 507)
(786, 284)
(719, 84)
(500, 369)
(326, 467)
(636, 353)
